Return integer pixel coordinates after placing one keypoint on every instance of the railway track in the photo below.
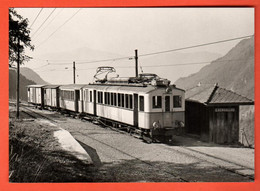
(182, 150)
(222, 163)
(133, 157)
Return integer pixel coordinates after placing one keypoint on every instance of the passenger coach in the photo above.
(155, 110)
(70, 97)
(35, 95)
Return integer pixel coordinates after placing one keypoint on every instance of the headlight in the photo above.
(156, 125)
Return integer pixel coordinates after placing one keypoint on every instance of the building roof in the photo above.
(214, 95)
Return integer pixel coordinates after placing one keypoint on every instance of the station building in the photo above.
(213, 114)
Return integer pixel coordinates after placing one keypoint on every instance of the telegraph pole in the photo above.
(18, 79)
(136, 63)
(74, 69)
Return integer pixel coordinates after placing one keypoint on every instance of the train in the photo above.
(147, 105)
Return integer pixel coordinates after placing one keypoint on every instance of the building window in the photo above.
(141, 103)
(157, 101)
(177, 101)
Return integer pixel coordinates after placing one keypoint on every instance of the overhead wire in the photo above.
(155, 53)
(48, 23)
(36, 18)
(195, 46)
(145, 66)
(43, 23)
(58, 28)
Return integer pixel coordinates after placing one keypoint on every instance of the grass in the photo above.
(36, 156)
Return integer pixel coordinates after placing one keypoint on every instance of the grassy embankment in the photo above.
(36, 156)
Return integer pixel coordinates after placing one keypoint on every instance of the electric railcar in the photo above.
(154, 109)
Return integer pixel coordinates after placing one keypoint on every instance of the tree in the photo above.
(18, 29)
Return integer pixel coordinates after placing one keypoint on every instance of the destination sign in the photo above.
(225, 110)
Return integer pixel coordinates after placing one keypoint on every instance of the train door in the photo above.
(76, 100)
(95, 102)
(136, 110)
(167, 120)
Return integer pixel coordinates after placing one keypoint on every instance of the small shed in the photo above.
(212, 113)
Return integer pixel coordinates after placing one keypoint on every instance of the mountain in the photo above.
(23, 83)
(31, 75)
(234, 71)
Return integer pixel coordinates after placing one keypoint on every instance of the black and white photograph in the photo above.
(131, 95)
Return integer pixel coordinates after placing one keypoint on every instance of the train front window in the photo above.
(157, 102)
(167, 103)
(177, 101)
(141, 103)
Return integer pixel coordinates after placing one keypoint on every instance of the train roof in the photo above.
(73, 86)
(51, 86)
(36, 86)
(140, 89)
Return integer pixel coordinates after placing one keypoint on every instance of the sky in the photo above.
(119, 31)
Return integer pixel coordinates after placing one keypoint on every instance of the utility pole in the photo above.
(74, 69)
(18, 79)
(136, 63)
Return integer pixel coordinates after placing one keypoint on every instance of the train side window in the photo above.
(101, 99)
(177, 101)
(90, 96)
(86, 95)
(126, 100)
(119, 100)
(112, 98)
(141, 103)
(108, 98)
(123, 100)
(105, 97)
(72, 95)
(115, 95)
(131, 101)
(157, 102)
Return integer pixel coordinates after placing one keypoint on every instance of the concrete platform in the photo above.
(69, 144)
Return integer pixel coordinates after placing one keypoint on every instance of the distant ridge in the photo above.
(33, 76)
(234, 71)
(27, 77)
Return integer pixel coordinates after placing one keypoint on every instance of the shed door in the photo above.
(225, 127)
